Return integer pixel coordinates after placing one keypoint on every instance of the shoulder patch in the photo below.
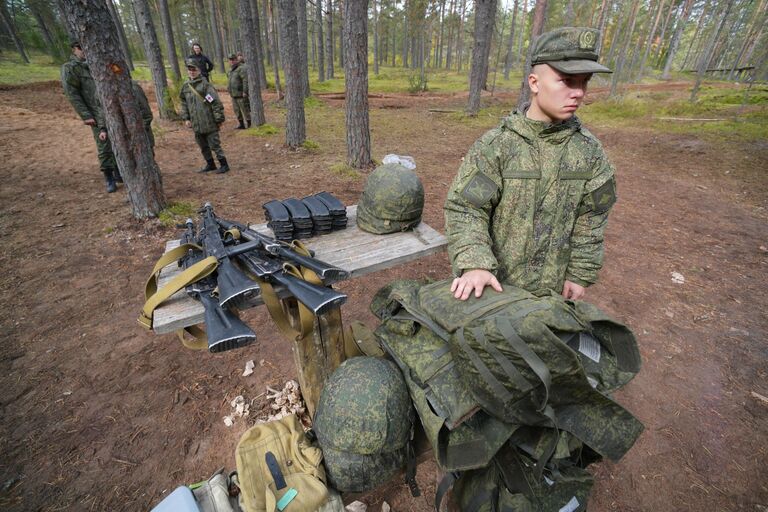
(605, 196)
(479, 190)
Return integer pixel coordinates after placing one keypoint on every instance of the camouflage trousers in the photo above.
(242, 108)
(210, 142)
(104, 149)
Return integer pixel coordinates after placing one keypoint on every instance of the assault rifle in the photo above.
(225, 330)
(283, 251)
(232, 282)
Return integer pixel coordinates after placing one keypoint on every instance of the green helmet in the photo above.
(363, 424)
(392, 201)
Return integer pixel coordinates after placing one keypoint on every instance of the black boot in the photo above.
(240, 126)
(111, 187)
(210, 165)
(223, 166)
(116, 174)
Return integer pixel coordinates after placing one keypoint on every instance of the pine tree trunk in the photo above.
(521, 31)
(295, 131)
(120, 33)
(675, 43)
(266, 30)
(272, 33)
(375, 40)
(320, 41)
(93, 25)
(440, 41)
(53, 47)
(651, 33)
(601, 19)
(329, 41)
(250, 52)
(664, 27)
(203, 29)
(259, 58)
(460, 42)
(707, 56)
(165, 17)
(485, 14)
(405, 41)
(218, 47)
(510, 43)
(451, 30)
(340, 7)
(301, 15)
(154, 58)
(356, 84)
(749, 38)
(539, 15)
(623, 53)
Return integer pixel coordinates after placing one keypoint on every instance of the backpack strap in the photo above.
(443, 487)
(533, 361)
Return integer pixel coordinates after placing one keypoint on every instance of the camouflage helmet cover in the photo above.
(363, 423)
(192, 63)
(392, 200)
(570, 50)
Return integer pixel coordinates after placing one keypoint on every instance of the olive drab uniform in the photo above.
(530, 204)
(200, 104)
(146, 111)
(237, 86)
(80, 89)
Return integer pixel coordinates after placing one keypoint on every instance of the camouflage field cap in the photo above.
(232, 56)
(191, 63)
(569, 50)
(363, 423)
(392, 201)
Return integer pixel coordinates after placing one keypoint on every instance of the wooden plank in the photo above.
(352, 249)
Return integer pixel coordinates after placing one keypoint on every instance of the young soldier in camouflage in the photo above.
(81, 91)
(202, 110)
(531, 200)
(237, 85)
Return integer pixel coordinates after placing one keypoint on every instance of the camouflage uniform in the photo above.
(146, 111)
(81, 91)
(237, 86)
(531, 202)
(206, 115)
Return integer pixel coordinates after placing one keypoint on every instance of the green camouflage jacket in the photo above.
(81, 90)
(141, 99)
(237, 85)
(530, 203)
(200, 104)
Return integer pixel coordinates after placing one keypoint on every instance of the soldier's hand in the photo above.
(90, 122)
(102, 136)
(573, 291)
(188, 124)
(474, 280)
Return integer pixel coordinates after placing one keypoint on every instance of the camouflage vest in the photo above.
(461, 435)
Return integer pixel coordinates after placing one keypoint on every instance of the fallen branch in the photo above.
(687, 119)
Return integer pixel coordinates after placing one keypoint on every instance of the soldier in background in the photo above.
(80, 89)
(237, 85)
(531, 200)
(146, 112)
(201, 60)
(202, 110)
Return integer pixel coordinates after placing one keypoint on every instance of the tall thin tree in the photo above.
(675, 43)
(165, 17)
(320, 41)
(154, 57)
(10, 28)
(251, 54)
(295, 129)
(510, 43)
(617, 73)
(707, 55)
(218, 44)
(301, 15)
(485, 14)
(259, 58)
(537, 27)
(93, 26)
(329, 40)
(356, 83)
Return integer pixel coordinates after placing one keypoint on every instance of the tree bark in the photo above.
(485, 14)
(625, 46)
(522, 30)
(301, 15)
(154, 57)
(356, 84)
(329, 41)
(35, 8)
(749, 39)
(649, 43)
(460, 36)
(165, 17)
(675, 43)
(295, 131)
(320, 41)
(120, 33)
(537, 27)
(273, 36)
(664, 27)
(340, 7)
(203, 36)
(250, 52)
(265, 15)
(259, 58)
(510, 43)
(707, 56)
(601, 19)
(91, 22)
(216, 35)
(376, 39)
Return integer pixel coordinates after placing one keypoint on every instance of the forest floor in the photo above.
(97, 414)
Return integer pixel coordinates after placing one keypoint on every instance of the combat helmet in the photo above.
(392, 201)
(363, 424)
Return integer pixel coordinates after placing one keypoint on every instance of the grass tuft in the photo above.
(345, 171)
(310, 145)
(313, 102)
(176, 213)
(261, 131)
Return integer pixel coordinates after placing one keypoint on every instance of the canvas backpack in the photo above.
(279, 466)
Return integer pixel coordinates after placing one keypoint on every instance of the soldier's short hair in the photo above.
(75, 44)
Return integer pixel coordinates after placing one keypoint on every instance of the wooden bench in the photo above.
(351, 249)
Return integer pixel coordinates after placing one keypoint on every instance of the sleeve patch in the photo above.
(479, 190)
(605, 196)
